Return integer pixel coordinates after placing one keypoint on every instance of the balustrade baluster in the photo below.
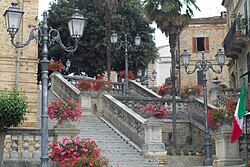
(26, 153)
(14, 147)
(37, 147)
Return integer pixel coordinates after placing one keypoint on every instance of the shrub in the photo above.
(13, 108)
(122, 74)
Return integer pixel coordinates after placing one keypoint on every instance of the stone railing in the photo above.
(63, 88)
(136, 89)
(220, 96)
(23, 144)
(136, 103)
(124, 119)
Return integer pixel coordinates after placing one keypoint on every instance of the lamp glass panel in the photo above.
(137, 40)
(114, 38)
(154, 74)
(185, 60)
(77, 27)
(13, 20)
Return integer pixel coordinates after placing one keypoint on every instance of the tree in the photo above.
(91, 54)
(168, 16)
(107, 6)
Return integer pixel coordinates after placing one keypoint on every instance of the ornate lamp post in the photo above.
(205, 65)
(146, 76)
(47, 36)
(126, 45)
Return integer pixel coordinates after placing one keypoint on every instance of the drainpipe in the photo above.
(246, 15)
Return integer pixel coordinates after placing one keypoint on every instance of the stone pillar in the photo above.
(227, 153)
(66, 129)
(153, 147)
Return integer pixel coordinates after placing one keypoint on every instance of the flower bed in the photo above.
(187, 90)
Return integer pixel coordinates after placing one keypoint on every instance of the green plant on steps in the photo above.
(170, 151)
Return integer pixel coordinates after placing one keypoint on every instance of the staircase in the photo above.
(117, 149)
(115, 146)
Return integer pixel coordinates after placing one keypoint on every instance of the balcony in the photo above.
(236, 40)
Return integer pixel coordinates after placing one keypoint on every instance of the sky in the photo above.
(208, 8)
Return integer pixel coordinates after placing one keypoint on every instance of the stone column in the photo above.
(227, 153)
(153, 147)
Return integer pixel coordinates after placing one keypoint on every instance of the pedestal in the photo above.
(66, 129)
(153, 148)
(227, 153)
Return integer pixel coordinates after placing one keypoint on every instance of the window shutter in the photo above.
(194, 44)
(207, 44)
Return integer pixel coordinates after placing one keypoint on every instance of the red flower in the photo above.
(157, 110)
(55, 65)
(122, 74)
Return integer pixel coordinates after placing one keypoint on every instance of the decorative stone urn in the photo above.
(227, 153)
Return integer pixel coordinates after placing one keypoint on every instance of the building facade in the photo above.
(236, 43)
(203, 34)
(18, 67)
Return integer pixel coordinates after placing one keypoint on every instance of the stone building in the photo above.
(203, 34)
(18, 67)
(236, 43)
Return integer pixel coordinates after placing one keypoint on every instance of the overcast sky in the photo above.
(208, 8)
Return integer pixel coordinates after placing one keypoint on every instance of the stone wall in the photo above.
(185, 134)
(20, 64)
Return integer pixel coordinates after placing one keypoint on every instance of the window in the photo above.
(200, 44)
(199, 77)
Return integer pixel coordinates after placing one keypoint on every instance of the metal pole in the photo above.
(126, 64)
(44, 64)
(208, 145)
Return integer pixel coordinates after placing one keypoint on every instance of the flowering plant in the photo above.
(97, 85)
(219, 116)
(122, 74)
(77, 152)
(55, 65)
(61, 110)
(196, 89)
(164, 89)
(157, 110)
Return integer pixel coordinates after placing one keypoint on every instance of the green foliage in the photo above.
(90, 56)
(170, 151)
(178, 151)
(13, 107)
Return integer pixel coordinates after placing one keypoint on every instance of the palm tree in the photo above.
(107, 6)
(168, 16)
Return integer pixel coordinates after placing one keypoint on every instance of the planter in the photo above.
(227, 153)
(216, 82)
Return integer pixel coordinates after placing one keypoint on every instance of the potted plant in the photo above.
(77, 152)
(193, 90)
(13, 108)
(60, 110)
(164, 89)
(157, 111)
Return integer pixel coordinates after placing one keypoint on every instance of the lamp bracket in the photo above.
(32, 36)
(54, 37)
(125, 45)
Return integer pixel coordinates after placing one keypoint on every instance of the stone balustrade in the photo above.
(24, 144)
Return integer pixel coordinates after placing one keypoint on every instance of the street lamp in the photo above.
(146, 76)
(46, 36)
(205, 65)
(126, 45)
(68, 64)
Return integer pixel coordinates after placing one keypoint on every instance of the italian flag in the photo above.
(238, 116)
